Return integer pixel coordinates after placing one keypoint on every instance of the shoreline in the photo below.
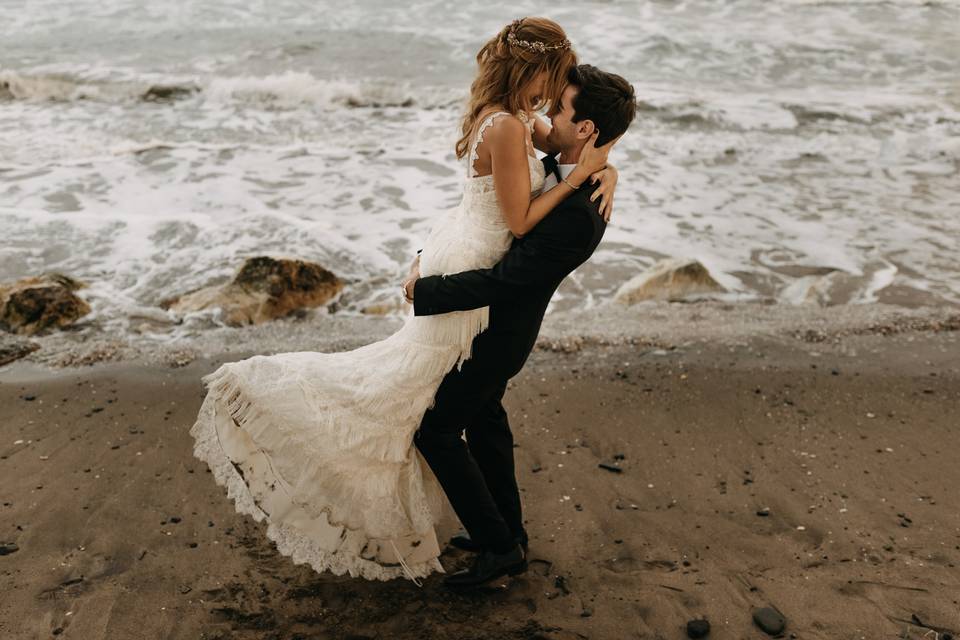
(661, 324)
(851, 438)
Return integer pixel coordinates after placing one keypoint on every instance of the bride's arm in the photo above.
(511, 175)
(540, 132)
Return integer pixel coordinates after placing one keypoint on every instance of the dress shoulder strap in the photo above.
(478, 138)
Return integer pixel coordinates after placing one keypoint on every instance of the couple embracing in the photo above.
(347, 456)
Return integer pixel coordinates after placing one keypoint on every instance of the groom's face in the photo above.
(563, 132)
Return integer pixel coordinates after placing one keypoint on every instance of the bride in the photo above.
(320, 445)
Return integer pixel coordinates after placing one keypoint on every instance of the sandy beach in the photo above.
(813, 474)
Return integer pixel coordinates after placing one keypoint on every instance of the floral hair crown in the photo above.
(539, 47)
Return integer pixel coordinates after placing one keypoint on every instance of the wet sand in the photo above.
(847, 445)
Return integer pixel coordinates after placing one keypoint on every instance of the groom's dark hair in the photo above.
(606, 99)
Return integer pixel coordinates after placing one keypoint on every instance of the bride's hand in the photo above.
(608, 183)
(593, 159)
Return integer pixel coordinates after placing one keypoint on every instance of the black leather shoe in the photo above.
(462, 540)
(488, 566)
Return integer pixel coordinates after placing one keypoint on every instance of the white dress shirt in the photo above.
(551, 180)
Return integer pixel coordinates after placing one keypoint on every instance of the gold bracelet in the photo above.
(570, 185)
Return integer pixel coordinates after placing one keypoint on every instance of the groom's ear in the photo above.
(585, 129)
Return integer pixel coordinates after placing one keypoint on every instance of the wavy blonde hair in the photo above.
(506, 67)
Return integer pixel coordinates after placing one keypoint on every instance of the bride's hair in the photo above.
(509, 61)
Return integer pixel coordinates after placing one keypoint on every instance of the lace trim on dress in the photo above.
(474, 156)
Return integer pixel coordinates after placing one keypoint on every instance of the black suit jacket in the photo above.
(518, 288)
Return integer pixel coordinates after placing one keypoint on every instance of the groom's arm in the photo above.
(544, 257)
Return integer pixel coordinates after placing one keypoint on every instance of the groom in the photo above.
(478, 477)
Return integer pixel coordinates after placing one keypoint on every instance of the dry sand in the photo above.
(851, 444)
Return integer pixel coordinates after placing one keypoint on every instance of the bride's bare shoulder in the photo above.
(504, 128)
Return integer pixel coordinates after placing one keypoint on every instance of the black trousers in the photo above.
(478, 475)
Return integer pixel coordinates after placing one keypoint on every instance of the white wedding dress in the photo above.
(320, 445)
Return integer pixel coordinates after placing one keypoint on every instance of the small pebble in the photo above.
(698, 628)
(769, 620)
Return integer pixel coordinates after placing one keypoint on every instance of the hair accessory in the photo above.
(536, 45)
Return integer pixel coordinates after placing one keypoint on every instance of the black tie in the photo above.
(551, 165)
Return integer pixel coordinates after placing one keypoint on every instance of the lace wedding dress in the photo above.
(320, 445)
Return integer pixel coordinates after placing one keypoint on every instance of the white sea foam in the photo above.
(803, 151)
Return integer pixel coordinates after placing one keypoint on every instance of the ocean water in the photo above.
(802, 150)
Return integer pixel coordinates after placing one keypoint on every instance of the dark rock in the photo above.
(167, 93)
(764, 511)
(13, 348)
(698, 628)
(29, 398)
(6, 548)
(34, 305)
(610, 467)
(769, 620)
(174, 519)
(263, 289)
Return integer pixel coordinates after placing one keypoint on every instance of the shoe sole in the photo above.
(515, 570)
(472, 548)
